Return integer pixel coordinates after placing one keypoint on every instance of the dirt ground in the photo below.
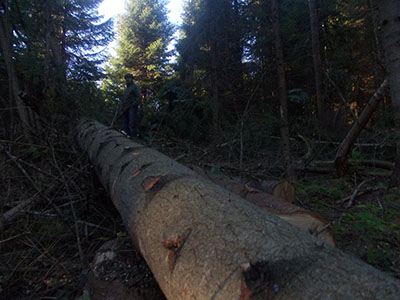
(47, 248)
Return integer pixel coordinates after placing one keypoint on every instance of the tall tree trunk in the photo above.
(379, 72)
(390, 28)
(214, 96)
(316, 48)
(203, 242)
(341, 162)
(214, 80)
(283, 97)
(6, 35)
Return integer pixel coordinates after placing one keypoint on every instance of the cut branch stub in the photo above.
(225, 232)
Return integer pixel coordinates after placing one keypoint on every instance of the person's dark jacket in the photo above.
(132, 95)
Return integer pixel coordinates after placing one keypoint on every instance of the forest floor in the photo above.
(63, 215)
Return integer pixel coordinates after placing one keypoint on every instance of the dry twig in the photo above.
(357, 192)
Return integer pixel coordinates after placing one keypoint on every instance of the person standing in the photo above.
(129, 106)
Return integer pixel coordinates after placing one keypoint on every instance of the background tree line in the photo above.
(246, 70)
(242, 70)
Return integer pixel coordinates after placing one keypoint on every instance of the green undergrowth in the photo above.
(369, 228)
(377, 229)
(317, 195)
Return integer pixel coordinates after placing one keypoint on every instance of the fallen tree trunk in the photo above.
(341, 163)
(203, 242)
(306, 220)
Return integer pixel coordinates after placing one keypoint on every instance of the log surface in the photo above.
(308, 221)
(203, 242)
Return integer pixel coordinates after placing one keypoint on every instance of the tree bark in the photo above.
(306, 220)
(316, 57)
(13, 82)
(341, 162)
(202, 242)
(283, 97)
(390, 28)
(213, 82)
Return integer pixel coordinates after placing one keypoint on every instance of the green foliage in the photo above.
(357, 155)
(85, 295)
(55, 50)
(176, 111)
(216, 169)
(191, 120)
(377, 228)
(395, 191)
(258, 127)
(312, 190)
(145, 33)
(210, 54)
(95, 102)
(298, 96)
(36, 152)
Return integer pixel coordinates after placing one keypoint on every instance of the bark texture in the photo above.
(283, 97)
(390, 29)
(306, 220)
(341, 162)
(203, 242)
(316, 57)
(6, 34)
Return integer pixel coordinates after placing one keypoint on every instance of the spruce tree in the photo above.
(57, 49)
(144, 35)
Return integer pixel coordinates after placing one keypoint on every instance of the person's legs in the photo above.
(132, 120)
(125, 122)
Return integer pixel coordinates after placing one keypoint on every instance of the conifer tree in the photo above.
(57, 47)
(144, 36)
(210, 53)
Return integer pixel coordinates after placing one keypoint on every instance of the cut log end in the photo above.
(281, 189)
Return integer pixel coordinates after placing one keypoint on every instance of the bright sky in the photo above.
(112, 8)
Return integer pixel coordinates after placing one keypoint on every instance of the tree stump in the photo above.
(282, 189)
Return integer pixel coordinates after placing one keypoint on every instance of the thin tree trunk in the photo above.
(283, 97)
(47, 58)
(379, 72)
(6, 50)
(390, 28)
(341, 163)
(316, 58)
(203, 242)
(214, 76)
